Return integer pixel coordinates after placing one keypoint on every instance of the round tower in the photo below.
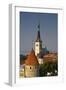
(38, 42)
(31, 65)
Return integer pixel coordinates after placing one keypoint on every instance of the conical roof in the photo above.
(38, 36)
(31, 59)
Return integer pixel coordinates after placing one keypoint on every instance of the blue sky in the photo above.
(28, 30)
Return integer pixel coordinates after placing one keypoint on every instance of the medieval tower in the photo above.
(31, 65)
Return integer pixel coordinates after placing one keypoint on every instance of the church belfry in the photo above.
(38, 42)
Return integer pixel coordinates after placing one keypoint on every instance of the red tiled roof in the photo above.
(51, 57)
(31, 59)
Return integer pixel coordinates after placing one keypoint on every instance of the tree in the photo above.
(51, 67)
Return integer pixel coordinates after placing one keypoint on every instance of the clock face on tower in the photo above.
(36, 44)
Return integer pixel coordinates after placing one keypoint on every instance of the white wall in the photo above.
(4, 44)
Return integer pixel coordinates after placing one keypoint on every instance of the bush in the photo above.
(51, 67)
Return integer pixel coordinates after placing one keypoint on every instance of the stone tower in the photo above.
(31, 65)
(38, 42)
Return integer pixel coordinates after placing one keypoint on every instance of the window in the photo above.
(36, 44)
(30, 67)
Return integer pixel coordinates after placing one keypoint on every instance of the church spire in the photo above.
(38, 33)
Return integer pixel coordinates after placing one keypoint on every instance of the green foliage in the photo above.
(51, 67)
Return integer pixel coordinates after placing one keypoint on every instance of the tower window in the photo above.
(37, 45)
(30, 67)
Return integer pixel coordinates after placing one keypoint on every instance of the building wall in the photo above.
(21, 73)
(38, 47)
(31, 71)
(40, 60)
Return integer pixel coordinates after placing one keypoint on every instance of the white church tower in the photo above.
(38, 42)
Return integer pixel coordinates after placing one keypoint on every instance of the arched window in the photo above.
(30, 67)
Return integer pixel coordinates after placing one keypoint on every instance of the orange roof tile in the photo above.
(31, 59)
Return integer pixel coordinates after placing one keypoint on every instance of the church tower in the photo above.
(38, 42)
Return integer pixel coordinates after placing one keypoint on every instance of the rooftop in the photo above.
(31, 59)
